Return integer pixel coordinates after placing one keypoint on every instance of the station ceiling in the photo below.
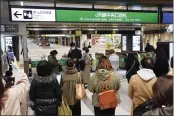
(99, 26)
(130, 2)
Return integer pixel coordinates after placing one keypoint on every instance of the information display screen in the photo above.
(106, 16)
(124, 43)
(136, 43)
(167, 18)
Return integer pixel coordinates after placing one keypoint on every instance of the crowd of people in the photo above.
(150, 82)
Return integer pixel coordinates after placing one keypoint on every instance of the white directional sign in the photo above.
(29, 14)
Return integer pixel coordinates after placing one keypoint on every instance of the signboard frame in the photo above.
(106, 10)
(84, 9)
(30, 7)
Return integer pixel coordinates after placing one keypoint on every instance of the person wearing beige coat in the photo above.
(140, 85)
(69, 78)
(14, 96)
(86, 71)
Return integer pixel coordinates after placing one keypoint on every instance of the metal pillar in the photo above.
(25, 52)
(0, 60)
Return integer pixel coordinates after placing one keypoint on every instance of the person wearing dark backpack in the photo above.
(140, 85)
(104, 84)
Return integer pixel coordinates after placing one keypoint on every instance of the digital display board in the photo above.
(106, 16)
(136, 43)
(167, 17)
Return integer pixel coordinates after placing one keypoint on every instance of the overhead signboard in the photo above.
(167, 17)
(31, 14)
(106, 16)
(9, 28)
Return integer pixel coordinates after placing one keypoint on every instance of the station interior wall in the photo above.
(154, 38)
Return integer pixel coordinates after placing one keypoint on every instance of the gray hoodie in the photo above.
(146, 74)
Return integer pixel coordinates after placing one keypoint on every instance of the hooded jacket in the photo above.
(45, 92)
(140, 87)
(69, 79)
(95, 87)
(165, 111)
(15, 95)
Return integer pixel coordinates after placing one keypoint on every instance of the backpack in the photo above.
(107, 98)
(143, 108)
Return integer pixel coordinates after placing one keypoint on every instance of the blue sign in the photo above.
(167, 18)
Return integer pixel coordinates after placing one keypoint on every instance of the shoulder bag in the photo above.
(80, 89)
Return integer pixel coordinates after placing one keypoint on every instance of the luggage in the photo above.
(107, 98)
(143, 108)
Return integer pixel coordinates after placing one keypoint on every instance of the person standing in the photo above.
(11, 97)
(107, 76)
(87, 69)
(162, 97)
(45, 91)
(114, 59)
(69, 79)
(54, 62)
(140, 85)
(75, 54)
(132, 66)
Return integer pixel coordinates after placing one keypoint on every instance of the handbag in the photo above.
(107, 98)
(80, 89)
(142, 108)
(64, 109)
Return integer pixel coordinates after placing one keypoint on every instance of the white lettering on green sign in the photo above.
(111, 15)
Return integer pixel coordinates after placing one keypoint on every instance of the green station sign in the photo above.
(106, 16)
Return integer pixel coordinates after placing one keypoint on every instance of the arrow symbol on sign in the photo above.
(16, 14)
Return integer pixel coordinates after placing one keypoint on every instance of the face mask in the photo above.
(73, 48)
(83, 52)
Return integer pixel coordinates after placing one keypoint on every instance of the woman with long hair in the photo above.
(162, 97)
(12, 97)
(104, 77)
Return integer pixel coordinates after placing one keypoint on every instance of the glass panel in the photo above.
(73, 5)
(167, 9)
(26, 3)
(143, 8)
(113, 7)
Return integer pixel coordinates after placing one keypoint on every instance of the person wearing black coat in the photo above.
(132, 66)
(75, 54)
(45, 91)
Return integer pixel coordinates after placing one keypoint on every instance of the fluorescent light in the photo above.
(22, 3)
(91, 29)
(64, 29)
(114, 29)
